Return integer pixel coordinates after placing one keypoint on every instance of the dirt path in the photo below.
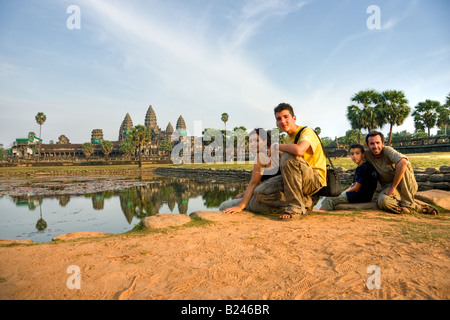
(245, 256)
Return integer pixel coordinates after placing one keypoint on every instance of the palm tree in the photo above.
(393, 109)
(107, 147)
(41, 224)
(354, 115)
(318, 130)
(88, 149)
(425, 115)
(40, 119)
(225, 119)
(126, 147)
(444, 115)
(367, 116)
(140, 136)
(369, 99)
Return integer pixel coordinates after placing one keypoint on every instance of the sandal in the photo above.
(404, 210)
(429, 210)
(292, 216)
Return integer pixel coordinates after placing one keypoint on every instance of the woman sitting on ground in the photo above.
(263, 169)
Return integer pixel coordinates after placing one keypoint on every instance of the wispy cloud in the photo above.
(392, 22)
(253, 13)
(176, 60)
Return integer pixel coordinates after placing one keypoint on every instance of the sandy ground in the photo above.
(244, 256)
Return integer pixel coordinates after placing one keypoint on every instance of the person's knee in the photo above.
(327, 204)
(383, 201)
(287, 160)
(386, 203)
(271, 186)
(229, 203)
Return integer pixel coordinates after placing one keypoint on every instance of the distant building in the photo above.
(24, 147)
(63, 149)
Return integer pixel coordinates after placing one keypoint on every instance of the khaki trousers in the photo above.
(298, 183)
(404, 194)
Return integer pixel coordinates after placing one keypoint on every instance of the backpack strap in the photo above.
(324, 151)
(298, 135)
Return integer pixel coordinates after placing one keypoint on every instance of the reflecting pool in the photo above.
(40, 209)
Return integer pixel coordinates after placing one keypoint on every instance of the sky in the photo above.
(87, 63)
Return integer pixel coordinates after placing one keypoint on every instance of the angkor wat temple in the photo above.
(63, 149)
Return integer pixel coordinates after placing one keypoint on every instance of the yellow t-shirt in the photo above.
(316, 158)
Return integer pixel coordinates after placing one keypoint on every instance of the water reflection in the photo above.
(155, 195)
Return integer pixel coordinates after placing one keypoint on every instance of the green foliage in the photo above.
(88, 149)
(443, 112)
(393, 109)
(401, 136)
(40, 118)
(224, 118)
(140, 136)
(126, 147)
(426, 115)
(107, 147)
(365, 117)
(352, 136)
(166, 145)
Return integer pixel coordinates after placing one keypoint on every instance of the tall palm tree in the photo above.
(139, 137)
(365, 117)
(318, 130)
(354, 116)
(425, 115)
(225, 119)
(369, 100)
(40, 119)
(393, 109)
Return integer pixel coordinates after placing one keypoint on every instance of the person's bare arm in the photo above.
(248, 193)
(295, 149)
(400, 169)
(355, 187)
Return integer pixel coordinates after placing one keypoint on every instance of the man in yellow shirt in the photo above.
(302, 163)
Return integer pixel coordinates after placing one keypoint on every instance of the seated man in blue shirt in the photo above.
(364, 182)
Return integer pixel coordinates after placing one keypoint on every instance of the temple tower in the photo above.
(169, 128)
(150, 120)
(97, 136)
(125, 128)
(181, 124)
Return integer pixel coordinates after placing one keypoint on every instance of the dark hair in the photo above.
(357, 146)
(263, 133)
(374, 133)
(284, 106)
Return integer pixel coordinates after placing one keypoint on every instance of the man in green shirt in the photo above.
(396, 177)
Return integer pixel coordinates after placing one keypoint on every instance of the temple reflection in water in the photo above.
(151, 198)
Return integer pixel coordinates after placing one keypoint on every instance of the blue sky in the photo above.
(199, 58)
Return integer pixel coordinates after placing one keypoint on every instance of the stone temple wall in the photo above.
(427, 178)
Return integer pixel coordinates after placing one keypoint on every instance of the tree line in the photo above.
(371, 110)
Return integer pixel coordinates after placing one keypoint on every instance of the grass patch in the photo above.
(416, 227)
(425, 232)
(424, 160)
(139, 228)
